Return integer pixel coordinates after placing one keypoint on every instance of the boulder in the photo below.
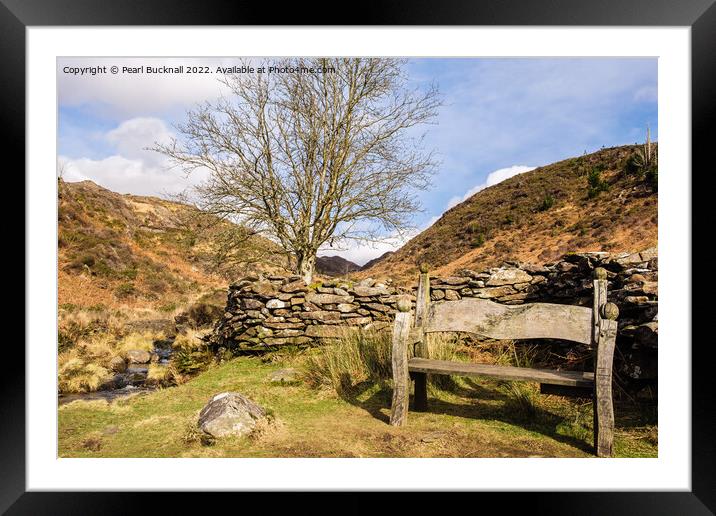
(508, 277)
(454, 280)
(362, 291)
(264, 289)
(451, 295)
(138, 356)
(321, 315)
(252, 304)
(649, 254)
(437, 295)
(488, 293)
(650, 287)
(327, 299)
(567, 266)
(118, 365)
(230, 413)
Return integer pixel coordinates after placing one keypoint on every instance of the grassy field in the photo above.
(476, 418)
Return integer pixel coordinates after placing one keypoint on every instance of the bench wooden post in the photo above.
(602, 402)
(422, 303)
(600, 299)
(401, 380)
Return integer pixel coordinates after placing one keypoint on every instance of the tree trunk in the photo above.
(306, 265)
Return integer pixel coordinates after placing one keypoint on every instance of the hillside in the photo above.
(537, 217)
(144, 252)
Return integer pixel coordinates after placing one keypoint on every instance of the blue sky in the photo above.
(500, 117)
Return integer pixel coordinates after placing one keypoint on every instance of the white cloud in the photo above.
(124, 175)
(132, 169)
(132, 137)
(492, 179)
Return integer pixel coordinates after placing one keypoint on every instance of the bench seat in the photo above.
(546, 376)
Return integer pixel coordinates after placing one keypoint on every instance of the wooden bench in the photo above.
(595, 326)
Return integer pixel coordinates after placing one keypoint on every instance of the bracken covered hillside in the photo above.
(126, 250)
(595, 202)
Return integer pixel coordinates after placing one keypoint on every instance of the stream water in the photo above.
(132, 381)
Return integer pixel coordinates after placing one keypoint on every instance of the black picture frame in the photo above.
(700, 15)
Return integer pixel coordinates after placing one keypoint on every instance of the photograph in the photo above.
(357, 257)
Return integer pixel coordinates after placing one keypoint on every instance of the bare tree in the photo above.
(311, 151)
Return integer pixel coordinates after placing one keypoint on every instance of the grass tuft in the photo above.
(76, 375)
(350, 360)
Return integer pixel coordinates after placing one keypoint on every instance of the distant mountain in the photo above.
(335, 266)
(595, 202)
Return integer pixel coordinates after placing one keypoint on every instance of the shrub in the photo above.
(474, 227)
(191, 354)
(547, 203)
(125, 290)
(168, 307)
(190, 362)
(479, 240)
(129, 273)
(632, 167)
(643, 163)
(652, 178)
(595, 183)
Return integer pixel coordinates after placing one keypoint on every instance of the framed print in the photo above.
(420, 253)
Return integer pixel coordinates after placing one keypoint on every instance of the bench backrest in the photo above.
(530, 321)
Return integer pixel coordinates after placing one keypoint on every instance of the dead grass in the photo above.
(75, 374)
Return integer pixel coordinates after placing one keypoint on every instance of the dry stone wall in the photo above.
(277, 310)
(274, 311)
